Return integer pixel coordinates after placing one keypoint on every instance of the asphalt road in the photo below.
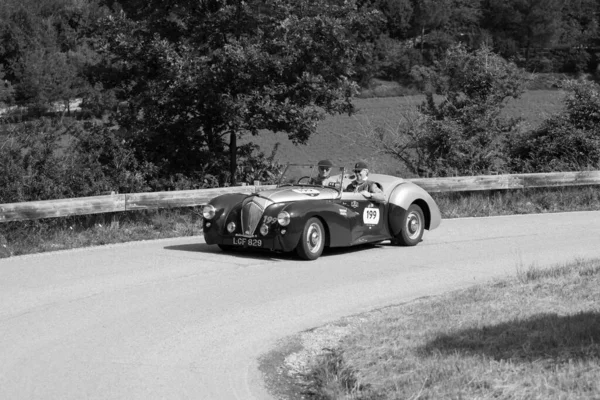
(177, 319)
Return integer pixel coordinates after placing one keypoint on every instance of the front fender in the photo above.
(224, 205)
(336, 225)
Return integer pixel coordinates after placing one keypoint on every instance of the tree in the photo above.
(215, 70)
(518, 26)
(397, 14)
(47, 77)
(429, 15)
(43, 48)
(437, 25)
(465, 19)
(578, 31)
(458, 130)
(6, 90)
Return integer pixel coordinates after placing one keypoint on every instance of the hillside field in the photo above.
(338, 137)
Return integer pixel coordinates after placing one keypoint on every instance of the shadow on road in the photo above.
(241, 252)
(542, 337)
(194, 247)
(267, 254)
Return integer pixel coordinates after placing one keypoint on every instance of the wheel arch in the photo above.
(406, 194)
(426, 211)
(328, 214)
(327, 230)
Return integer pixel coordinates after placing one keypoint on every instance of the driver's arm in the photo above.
(331, 182)
(374, 193)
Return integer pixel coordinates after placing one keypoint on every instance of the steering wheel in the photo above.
(304, 177)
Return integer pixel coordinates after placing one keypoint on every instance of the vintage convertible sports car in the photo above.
(301, 215)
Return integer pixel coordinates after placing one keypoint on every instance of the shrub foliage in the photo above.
(569, 141)
(458, 130)
(42, 160)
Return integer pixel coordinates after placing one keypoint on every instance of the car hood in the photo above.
(299, 193)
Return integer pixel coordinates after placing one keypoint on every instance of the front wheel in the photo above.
(413, 227)
(312, 242)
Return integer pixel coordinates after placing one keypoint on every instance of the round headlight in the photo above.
(231, 227)
(284, 218)
(208, 211)
(264, 229)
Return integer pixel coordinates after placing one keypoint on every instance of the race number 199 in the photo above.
(371, 216)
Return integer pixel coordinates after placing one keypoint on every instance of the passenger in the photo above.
(369, 189)
(323, 174)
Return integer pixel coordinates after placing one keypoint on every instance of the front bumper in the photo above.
(277, 242)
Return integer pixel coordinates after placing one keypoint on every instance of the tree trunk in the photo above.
(232, 156)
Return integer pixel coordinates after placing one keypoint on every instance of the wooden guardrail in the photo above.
(189, 198)
(515, 181)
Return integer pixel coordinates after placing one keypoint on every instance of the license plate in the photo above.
(250, 242)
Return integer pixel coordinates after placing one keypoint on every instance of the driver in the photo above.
(323, 174)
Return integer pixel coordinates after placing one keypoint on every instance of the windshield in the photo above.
(313, 175)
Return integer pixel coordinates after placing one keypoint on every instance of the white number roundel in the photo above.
(371, 216)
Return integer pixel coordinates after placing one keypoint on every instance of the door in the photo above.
(367, 218)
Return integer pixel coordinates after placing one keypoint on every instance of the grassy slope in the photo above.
(338, 137)
(534, 336)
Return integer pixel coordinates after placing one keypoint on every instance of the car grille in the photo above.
(252, 211)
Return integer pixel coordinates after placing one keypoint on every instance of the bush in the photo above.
(396, 59)
(43, 160)
(252, 164)
(30, 167)
(583, 104)
(463, 134)
(556, 146)
(566, 142)
(100, 160)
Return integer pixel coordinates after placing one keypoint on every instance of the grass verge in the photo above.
(27, 237)
(534, 336)
(519, 201)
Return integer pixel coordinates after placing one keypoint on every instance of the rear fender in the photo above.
(400, 200)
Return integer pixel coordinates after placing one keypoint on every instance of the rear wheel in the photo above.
(312, 242)
(413, 227)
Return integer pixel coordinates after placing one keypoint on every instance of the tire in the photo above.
(312, 241)
(413, 226)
